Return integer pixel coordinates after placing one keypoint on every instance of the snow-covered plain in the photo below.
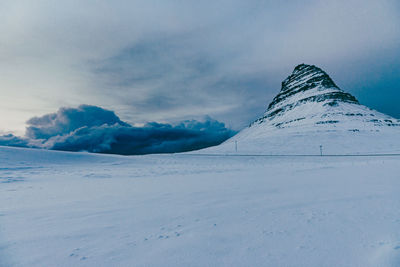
(79, 209)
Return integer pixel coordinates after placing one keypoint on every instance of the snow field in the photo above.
(78, 209)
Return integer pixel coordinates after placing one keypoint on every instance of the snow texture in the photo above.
(79, 209)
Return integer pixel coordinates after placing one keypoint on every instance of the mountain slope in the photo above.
(312, 111)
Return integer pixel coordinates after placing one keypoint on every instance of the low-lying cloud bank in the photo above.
(94, 129)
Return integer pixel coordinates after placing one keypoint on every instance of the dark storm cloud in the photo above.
(93, 129)
(67, 120)
(151, 138)
(12, 140)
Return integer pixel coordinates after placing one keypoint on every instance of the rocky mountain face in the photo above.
(307, 84)
(311, 113)
(310, 97)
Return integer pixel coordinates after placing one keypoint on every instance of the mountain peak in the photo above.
(307, 83)
(310, 114)
(310, 74)
(305, 77)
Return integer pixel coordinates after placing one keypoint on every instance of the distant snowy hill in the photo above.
(312, 112)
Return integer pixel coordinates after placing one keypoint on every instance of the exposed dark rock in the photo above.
(304, 78)
(327, 122)
(309, 94)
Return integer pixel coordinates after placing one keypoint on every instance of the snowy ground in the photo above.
(77, 209)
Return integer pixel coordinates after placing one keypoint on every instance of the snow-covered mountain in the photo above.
(312, 112)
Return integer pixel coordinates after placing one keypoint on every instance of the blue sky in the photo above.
(168, 61)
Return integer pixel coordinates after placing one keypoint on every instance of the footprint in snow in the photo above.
(75, 254)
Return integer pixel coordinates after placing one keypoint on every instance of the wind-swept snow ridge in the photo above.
(312, 111)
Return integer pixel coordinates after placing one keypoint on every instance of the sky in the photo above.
(168, 61)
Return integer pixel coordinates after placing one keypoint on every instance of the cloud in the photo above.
(228, 66)
(12, 140)
(171, 75)
(67, 120)
(93, 129)
(173, 60)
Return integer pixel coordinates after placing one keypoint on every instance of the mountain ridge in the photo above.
(310, 84)
(306, 78)
(311, 111)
